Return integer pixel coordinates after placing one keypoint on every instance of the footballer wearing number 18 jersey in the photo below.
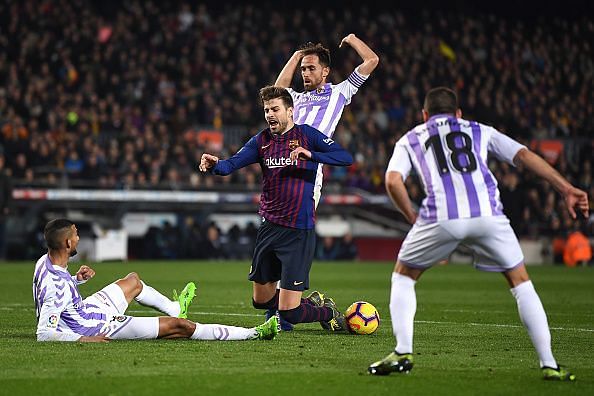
(462, 206)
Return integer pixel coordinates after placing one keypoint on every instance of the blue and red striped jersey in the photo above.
(287, 186)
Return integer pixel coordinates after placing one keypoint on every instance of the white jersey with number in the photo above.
(323, 107)
(449, 155)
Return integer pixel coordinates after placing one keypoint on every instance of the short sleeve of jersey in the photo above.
(400, 161)
(349, 87)
(503, 147)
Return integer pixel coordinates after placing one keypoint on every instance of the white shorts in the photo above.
(112, 302)
(493, 241)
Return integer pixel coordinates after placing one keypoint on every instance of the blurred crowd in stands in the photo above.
(195, 240)
(111, 96)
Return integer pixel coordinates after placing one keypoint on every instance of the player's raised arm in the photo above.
(574, 197)
(286, 75)
(370, 58)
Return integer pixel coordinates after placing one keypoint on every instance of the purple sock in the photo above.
(307, 313)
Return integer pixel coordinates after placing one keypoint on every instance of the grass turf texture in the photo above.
(468, 337)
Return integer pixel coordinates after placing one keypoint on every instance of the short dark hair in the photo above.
(318, 49)
(55, 232)
(441, 100)
(273, 92)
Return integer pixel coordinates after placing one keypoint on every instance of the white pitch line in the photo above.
(497, 325)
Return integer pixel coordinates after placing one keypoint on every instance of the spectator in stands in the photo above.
(328, 249)
(577, 249)
(347, 248)
(160, 70)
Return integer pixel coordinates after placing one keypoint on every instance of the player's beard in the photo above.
(313, 84)
(282, 125)
(73, 253)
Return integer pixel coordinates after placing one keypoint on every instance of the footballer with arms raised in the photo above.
(289, 155)
(462, 206)
(63, 314)
(321, 103)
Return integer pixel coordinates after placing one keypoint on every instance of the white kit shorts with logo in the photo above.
(112, 302)
(491, 238)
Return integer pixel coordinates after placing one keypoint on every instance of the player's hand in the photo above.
(207, 161)
(97, 338)
(346, 40)
(298, 55)
(300, 153)
(576, 198)
(85, 273)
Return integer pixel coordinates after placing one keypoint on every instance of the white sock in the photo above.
(534, 318)
(152, 298)
(403, 305)
(212, 332)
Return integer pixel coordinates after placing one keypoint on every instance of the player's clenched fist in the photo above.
(85, 273)
(207, 161)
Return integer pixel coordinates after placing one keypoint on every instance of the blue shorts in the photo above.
(285, 254)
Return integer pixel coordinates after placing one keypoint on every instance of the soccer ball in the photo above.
(362, 318)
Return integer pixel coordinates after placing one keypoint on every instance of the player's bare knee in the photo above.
(403, 269)
(134, 280)
(516, 276)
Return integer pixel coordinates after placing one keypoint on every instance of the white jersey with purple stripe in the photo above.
(62, 315)
(322, 108)
(449, 155)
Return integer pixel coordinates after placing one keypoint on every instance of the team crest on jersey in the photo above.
(293, 144)
(52, 321)
(319, 90)
(119, 318)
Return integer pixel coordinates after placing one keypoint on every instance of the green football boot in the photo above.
(316, 298)
(185, 299)
(558, 374)
(393, 363)
(267, 330)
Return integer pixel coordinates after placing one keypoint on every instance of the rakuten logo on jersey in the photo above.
(279, 162)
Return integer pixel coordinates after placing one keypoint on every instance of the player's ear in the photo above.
(459, 113)
(425, 115)
(290, 112)
(325, 71)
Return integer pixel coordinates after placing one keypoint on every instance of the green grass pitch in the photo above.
(468, 337)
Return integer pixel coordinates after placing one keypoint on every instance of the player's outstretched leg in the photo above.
(184, 299)
(215, 332)
(393, 363)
